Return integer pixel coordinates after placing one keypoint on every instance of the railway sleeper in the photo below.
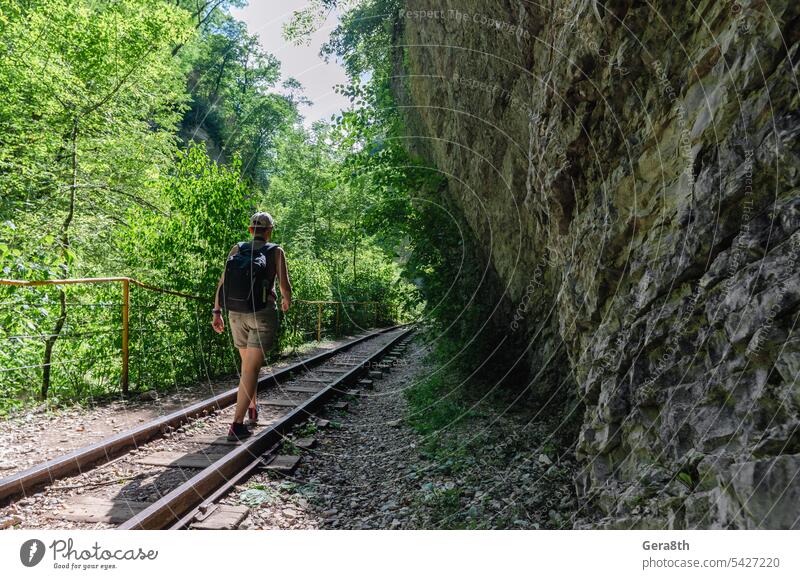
(219, 517)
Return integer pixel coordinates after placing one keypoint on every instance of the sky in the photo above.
(265, 18)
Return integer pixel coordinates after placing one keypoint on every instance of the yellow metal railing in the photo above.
(126, 282)
(320, 303)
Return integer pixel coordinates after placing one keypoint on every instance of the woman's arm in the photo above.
(282, 271)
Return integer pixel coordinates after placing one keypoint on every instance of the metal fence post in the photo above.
(337, 319)
(319, 322)
(126, 294)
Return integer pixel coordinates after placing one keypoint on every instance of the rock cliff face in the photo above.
(631, 170)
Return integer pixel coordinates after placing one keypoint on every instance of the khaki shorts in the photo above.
(255, 329)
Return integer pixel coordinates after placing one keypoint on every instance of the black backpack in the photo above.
(247, 274)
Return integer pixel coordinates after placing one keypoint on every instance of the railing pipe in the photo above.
(126, 283)
(319, 322)
(126, 296)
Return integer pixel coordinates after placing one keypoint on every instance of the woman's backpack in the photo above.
(249, 277)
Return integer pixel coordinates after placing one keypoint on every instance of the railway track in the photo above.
(169, 473)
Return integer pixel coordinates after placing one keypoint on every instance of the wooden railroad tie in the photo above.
(375, 374)
(214, 440)
(303, 389)
(305, 443)
(282, 463)
(281, 402)
(220, 518)
(366, 383)
(181, 459)
(97, 510)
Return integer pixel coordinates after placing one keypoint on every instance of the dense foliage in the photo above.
(410, 207)
(407, 206)
(136, 137)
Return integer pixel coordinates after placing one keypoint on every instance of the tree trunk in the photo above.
(51, 341)
(64, 242)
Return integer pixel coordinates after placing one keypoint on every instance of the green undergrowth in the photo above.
(489, 456)
(445, 397)
(435, 404)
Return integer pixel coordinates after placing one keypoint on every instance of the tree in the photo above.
(234, 102)
(91, 103)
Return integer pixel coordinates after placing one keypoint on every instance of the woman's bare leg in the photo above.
(252, 360)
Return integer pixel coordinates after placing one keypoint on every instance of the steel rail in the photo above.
(25, 481)
(172, 508)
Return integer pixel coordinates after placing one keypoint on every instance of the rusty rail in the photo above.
(27, 481)
(173, 507)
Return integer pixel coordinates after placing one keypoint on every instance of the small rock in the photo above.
(10, 521)
(544, 459)
(390, 506)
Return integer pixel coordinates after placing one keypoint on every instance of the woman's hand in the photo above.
(218, 323)
(286, 303)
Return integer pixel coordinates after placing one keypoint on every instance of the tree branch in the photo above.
(138, 200)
